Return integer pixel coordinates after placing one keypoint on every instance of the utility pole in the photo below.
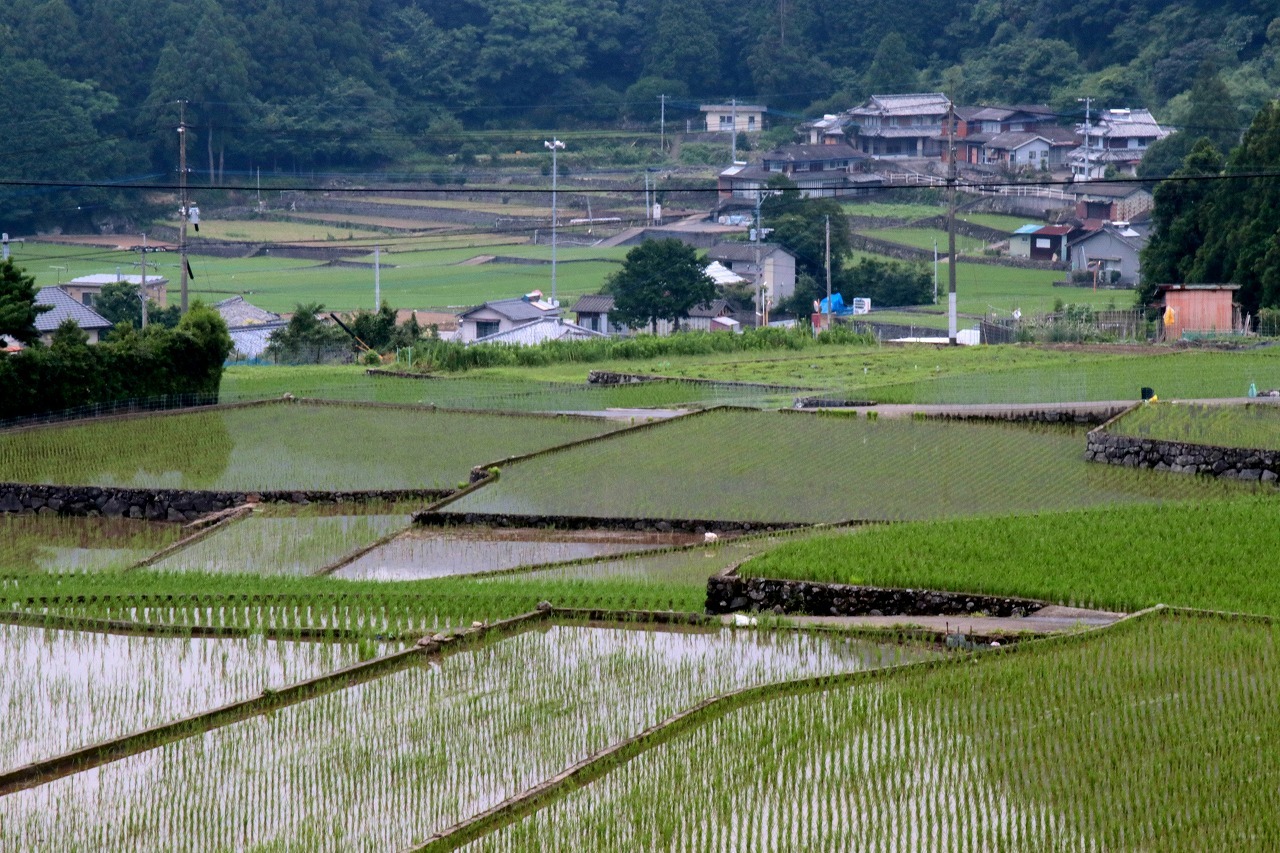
(377, 279)
(1088, 154)
(935, 271)
(554, 145)
(648, 218)
(142, 290)
(951, 223)
(662, 125)
(182, 183)
(828, 265)
(760, 292)
(733, 129)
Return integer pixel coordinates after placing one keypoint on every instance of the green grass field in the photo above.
(926, 238)
(1251, 426)
(411, 277)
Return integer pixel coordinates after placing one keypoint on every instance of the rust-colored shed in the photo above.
(1197, 308)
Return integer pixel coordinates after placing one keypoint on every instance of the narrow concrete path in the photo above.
(1048, 620)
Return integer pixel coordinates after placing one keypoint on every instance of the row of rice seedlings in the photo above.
(422, 553)
(1248, 426)
(372, 610)
(771, 466)
(61, 690)
(398, 618)
(1158, 735)
(1119, 558)
(285, 447)
(51, 543)
(384, 763)
(277, 544)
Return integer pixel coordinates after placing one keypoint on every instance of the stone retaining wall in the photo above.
(171, 504)
(1133, 452)
(583, 522)
(730, 593)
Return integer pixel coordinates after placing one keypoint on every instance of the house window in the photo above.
(86, 298)
(751, 122)
(726, 122)
(485, 328)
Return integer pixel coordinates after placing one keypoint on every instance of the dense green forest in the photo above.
(91, 85)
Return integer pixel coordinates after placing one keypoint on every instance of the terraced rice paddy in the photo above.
(281, 446)
(303, 542)
(382, 764)
(1162, 734)
(785, 467)
(39, 543)
(1214, 554)
(420, 552)
(490, 394)
(67, 689)
(1255, 425)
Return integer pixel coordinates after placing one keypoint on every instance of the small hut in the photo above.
(1195, 310)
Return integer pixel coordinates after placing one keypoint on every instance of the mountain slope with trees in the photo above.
(321, 84)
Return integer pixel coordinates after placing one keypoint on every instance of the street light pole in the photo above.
(553, 145)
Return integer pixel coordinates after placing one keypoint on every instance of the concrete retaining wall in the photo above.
(171, 504)
(1133, 452)
(727, 593)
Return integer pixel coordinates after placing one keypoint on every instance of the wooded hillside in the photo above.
(356, 83)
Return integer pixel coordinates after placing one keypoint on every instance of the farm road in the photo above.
(1047, 620)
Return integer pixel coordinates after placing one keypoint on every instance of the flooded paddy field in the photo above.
(431, 552)
(1156, 734)
(282, 446)
(290, 540)
(62, 690)
(50, 543)
(809, 468)
(386, 763)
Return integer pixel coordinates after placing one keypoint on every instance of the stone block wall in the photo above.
(1134, 452)
(178, 505)
(728, 593)
(583, 522)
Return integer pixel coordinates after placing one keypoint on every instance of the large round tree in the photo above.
(659, 280)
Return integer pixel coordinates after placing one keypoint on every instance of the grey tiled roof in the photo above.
(809, 153)
(236, 311)
(537, 331)
(739, 251)
(593, 303)
(513, 309)
(64, 308)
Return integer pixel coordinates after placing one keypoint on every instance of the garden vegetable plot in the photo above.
(1158, 734)
(787, 467)
(67, 689)
(382, 764)
(282, 446)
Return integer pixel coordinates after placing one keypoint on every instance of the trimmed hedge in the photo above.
(182, 362)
